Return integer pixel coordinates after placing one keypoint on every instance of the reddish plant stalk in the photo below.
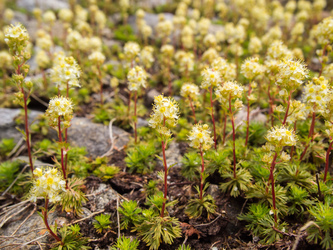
(165, 179)
(311, 131)
(66, 156)
(212, 114)
(193, 110)
(327, 159)
(62, 152)
(201, 174)
(26, 122)
(233, 136)
(129, 104)
(165, 175)
(271, 178)
(47, 223)
(135, 130)
(248, 116)
(224, 126)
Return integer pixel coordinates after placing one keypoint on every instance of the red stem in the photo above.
(293, 147)
(62, 152)
(322, 66)
(224, 126)
(248, 116)
(165, 179)
(212, 114)
(233, 136)
(327, 159)
(26, 124)
(201, 174)
(135, 131)
(47, 224)
(169, 78)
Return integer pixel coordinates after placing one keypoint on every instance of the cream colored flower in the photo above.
(48, 183)
(137, 77)
(200, 137)
(211, 78)
(190, 90)
(281, 136)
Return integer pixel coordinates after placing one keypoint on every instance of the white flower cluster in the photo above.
(48, 183)
(252, 68)
(200, 137)
(16, 37)
(65, 71)
(324, 31)
(165, 113)
(190, 90)
(136, 77)
(227, 70)
(281, 136)
(229, 90)
(131, 50)
(211, 78)
(316, 94)
(97, 58)
(291, 74)
(59, 107)
(278, 51)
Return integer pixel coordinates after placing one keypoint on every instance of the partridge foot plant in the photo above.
(17, 39)
(200, 139)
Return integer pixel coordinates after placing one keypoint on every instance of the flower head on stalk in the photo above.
(65, 70)
(252, 68)
(137, 77)
(165, 114)
(60, 107)
(17, 38)
(48, 183)
(190, 90)
(131, 50)
(317, 95)
(227, 70)
(291, 74)
(211, 78)
(200, 137)
(281, 136)
(97, 58)
(324, 31)
(231, 90)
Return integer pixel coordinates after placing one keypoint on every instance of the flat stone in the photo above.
(26, 233)
(95, 137)
(151, 20)
(44, 5)
(102, 196)
(172, 154)
(256, 115)
(151, 95)
(142, 123)
(8, 125)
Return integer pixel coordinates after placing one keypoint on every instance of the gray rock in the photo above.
(152, 3)
(151, 20)
(142, 123)
(29, 230)
(172, 154)
(151, 95)
(213, 190)
(25, 159)
(8, 125)
(256, 115)
(103, 195)
(95, 137)
(44, 5)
